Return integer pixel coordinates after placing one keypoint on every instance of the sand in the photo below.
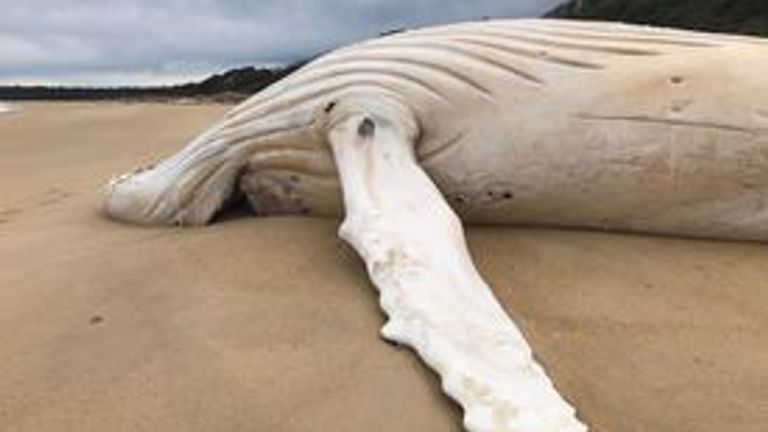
(271, 324)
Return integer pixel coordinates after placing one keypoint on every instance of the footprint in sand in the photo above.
(51, 197)
(54, 196)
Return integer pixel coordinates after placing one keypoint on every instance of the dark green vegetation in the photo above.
(233, 85)
(748, 17)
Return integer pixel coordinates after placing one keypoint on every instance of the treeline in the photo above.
(748, 17)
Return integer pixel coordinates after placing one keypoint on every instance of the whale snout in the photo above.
(137, 198)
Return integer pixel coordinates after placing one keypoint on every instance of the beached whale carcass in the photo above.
(527, 121)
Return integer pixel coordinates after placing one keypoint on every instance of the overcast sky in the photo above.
(105, 42)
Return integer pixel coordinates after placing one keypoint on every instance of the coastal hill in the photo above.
(749, 17)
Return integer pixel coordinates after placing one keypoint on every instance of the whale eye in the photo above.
(330, 107)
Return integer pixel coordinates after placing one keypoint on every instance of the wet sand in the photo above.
(271, 324)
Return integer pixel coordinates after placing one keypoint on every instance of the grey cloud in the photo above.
(51, 39)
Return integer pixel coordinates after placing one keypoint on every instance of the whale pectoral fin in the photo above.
(414, 249)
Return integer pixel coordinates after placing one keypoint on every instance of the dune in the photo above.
(271, 324)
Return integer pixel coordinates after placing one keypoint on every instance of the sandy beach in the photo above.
(271, 324)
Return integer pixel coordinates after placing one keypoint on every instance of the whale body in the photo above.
(537, 122)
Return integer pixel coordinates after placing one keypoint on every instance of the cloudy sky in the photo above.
(107, 42)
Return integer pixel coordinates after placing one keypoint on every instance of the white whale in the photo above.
(546, 122)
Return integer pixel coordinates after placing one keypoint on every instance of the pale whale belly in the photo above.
(651, 145)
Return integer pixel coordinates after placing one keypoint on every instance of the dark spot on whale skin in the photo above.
(496, 195)
(676, 80)
(366, 128)
(96, 319)
(460, 200)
